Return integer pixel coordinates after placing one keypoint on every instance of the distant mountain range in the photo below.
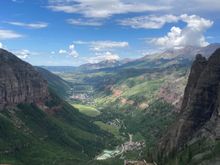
(59, 69)
(161, 59)
(187, 52)
(99, 65)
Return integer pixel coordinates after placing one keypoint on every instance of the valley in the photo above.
(105, 116)
(131, 99)
(109, 82)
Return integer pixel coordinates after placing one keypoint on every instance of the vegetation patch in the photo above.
(109, 128)
(87, 110)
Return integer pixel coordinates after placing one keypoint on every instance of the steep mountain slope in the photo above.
(19, 81)
(36, 126)
(57, 84)
(195, 135)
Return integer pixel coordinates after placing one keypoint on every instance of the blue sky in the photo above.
(73, 32)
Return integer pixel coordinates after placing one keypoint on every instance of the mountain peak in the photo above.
(5, 56)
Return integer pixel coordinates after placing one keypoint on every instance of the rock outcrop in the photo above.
(200, 112)
(19, 81)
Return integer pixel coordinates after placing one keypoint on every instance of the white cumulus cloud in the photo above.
(104, 56)
(191, 34)
(208, 5)
(71, 51)
(23, 54)
(107, 45)
(104, 50)
(1, 45)
(189, 6)
(102, 8)
(149, 21)
(62, 51)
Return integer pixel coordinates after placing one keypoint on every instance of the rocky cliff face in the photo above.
(200, 112)
(19, 81)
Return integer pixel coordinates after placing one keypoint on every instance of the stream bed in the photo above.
(123, 148)
(107, 154)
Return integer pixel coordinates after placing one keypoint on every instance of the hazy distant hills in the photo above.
(59, 69)
(60, 86)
